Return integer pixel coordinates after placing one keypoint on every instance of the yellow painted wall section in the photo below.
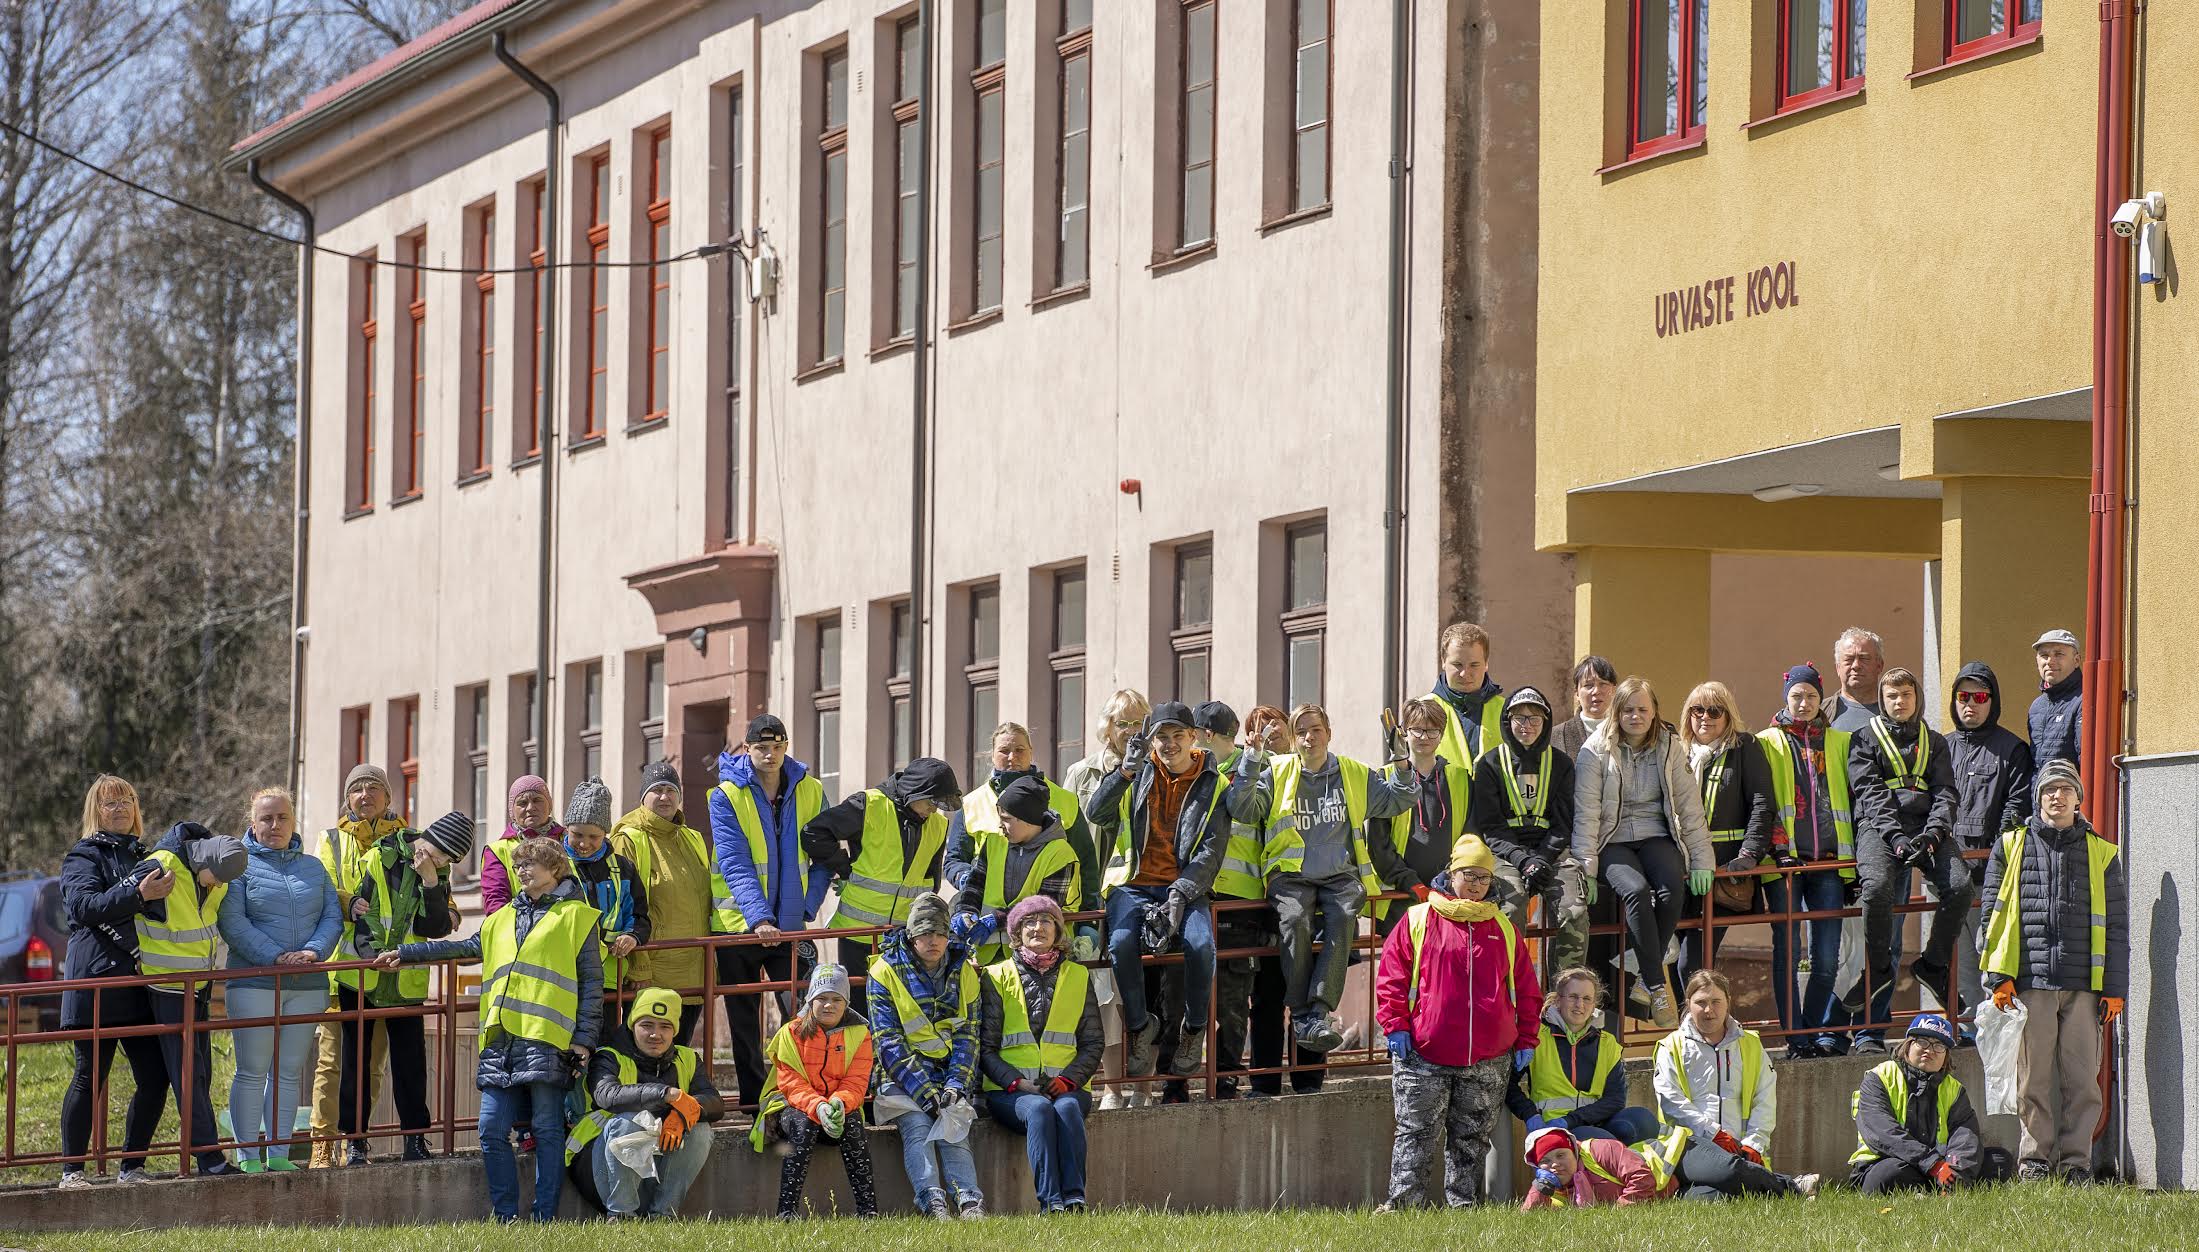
(2166, 399)
(1939, 230)
(2008, 547)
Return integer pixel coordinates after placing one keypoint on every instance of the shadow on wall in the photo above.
(2165, 1043)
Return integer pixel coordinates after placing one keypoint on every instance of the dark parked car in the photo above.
(34, 936)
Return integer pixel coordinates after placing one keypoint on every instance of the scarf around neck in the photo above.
(1454, 909)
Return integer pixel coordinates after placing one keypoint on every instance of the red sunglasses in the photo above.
(1973, 697)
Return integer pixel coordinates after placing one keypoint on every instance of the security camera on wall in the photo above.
(2127, 218)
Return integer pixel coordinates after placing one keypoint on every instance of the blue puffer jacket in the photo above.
(283, 903)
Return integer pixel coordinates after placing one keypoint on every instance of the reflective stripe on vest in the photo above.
(724, 918)
(1902, 774)
(1416, 921)
(1051, 860)
(881, 885)
(809, 801)
(1751, 1048)
(1662, 1155)
(1046, 1054)
(1714, 781)
(1780, 754)
(344, 860)
(185, 942)
(1239, 877)
(1285, 849)
(919, 1031)
(2003, 952)
(981, 807)
(1489, 733)
(1897, 1094)
(411, 980)
(1549, 1087)
(1521, 818)
(530, 988)
(684, 1063)
(853, 1034)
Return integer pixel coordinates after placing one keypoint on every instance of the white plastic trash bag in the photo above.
(2000, 1051)
(953, 1123)
(637, 1150)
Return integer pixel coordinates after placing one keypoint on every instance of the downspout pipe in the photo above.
(546, 436)
(919, 359)
(1393, 499)
(302, 466)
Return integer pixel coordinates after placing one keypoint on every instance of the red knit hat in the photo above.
(1547, 1140)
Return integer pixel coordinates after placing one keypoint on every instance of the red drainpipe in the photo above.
(2111, 314)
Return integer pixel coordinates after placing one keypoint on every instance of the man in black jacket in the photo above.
(926, 788)
(1992, 768)
(640, 1070)
(1903, 789)
(1522, 808)
(2056, 722)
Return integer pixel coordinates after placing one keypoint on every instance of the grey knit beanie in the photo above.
(590, 805)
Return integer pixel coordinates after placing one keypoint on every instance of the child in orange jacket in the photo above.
(820, 1075)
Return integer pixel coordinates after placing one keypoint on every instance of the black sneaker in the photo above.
(1867, 1046)
(416, 1148)
(355, 1154)
(2077, 1177)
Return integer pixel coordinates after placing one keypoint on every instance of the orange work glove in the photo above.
(1725, 1139)
(1752, 1154)
(674, 1130)
(2004, 996)
(2111, 1007)
(1944, 1174)
(1059, 1086)
(1420, 892)
(686, 1106)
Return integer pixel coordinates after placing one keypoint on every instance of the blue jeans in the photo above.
(624, 1191)
(1629, 1125)
(927, 1163)
(1820, 891)
(1053, 1137)
(1124, 908)
(256, 1056)
(501, 1109)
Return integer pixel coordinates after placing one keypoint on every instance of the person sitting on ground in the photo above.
(1022, 851)
(923, 1025)
(1039, 1044)
(1914, 1127)
(1718, 1098)
(1455, 996)
(1572, 1172)
(644, 1069)
(1574, 1081)
(820, 1076)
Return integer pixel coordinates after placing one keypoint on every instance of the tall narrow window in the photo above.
(988, 85)
(657, 384)
(1305, 612)
(832, 215)
(1073, 184)
(1309, 153)
(597, 401)
(405, 746)
(1196, 142)
(526, 715)
(1975, 26)
(1669, 74)
(900, 732)
(484, 342)
(416, 369)
(652, 706)
(736, 300)
(537, 280)
(1066, 662)
(362, 478)
(908, 71)
(1191, 640)
(824, 703)
(981, 678)
(355, 722)
(587, 718)
(1820, 49)
(475, 705)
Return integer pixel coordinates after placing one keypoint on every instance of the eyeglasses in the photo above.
(1425, 732)
(1973, 697)
(1473, 875)
(1929, 1045)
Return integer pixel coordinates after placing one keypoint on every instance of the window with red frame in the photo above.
(416, 367)
(484, 342)
(1667, 73)
(538, 260)
(1820, 49)
(657, 399)
(362, 482)
(354, 740)
(408, 759)
(599, 299)
(1977, 26)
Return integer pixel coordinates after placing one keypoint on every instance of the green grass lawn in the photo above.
(2036, 1216)
(42, 1075)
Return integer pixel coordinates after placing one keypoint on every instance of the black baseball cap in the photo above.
(1168, 713)
(765, 726)
(1215, 718)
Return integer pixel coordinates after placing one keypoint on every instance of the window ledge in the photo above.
(1288, 220)
(893, 347)
(1976, 55)
(821, 369)
(1061, 295)
(1181, 258)
(358, 511)
(647, 424)
(475, 476)
(578, 446)
(1693, 145)
(1814, 104)
(399, 502)
(527, 461)
(975, 320)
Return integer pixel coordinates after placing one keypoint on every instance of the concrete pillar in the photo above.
(1648, 611)
(2012, 553)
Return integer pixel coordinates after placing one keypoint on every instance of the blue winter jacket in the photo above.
(790, 900)
(283, 903)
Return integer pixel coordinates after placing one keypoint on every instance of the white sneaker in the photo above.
(1136, 1098)
(1110, 1099)
(1807, 1185)
(75, 1180)
(134, 1176)
(1661, 1009)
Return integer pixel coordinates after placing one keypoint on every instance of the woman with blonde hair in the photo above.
(1119, 719)
(1735, 776)
(1638, 829)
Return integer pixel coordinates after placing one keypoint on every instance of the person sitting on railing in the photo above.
(1914, 1127)
(1718, 1098)
(883, 846)
(1523, 809)
(176, 934)
(1574, 1081)
(402, 897)
(102, 895)
(1022, 852)
(283, 912)
(1573, 1172)
(1904, 789)
(1409, 850)
(923, 1023)
(1039, 1043)
(1735, 776)
(1455, 996)
(1993, 772)
(687, 895)
(820, 1075)
(644, 1069)
(541, 1007)
(1809, 787)
(607, 880)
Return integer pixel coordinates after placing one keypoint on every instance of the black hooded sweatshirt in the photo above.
(1993, 768)
(1883, 812)
(1490, 812)
(834, 836)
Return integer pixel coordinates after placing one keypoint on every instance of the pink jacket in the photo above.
(1635, 1185)
(1465, 1012)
